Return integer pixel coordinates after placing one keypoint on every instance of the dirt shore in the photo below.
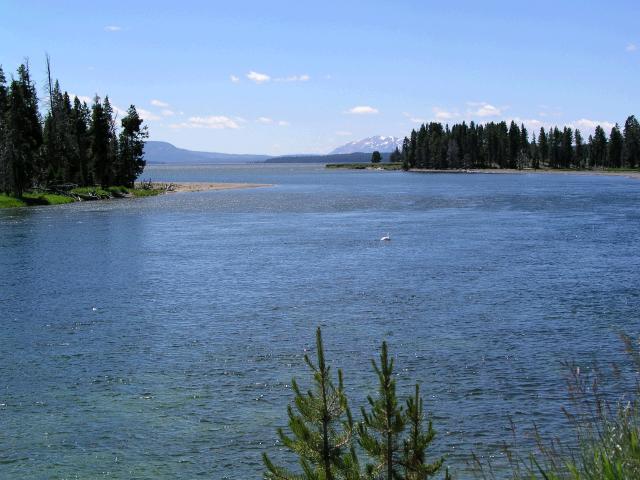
(201, 187)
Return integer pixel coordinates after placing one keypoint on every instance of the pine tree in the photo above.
(99, 143)
(543, 146)
(322, 429)
(379, 433)
(598, 150)
(376, 157)
(23, 133)
(3, 133)
(614, 159)
(131, 161)
(580, 150)
(414, 457)
(631, 145)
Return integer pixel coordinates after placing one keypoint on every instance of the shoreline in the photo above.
(635, 174)
(186, 187)
(141, 190)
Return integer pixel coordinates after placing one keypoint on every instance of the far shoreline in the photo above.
(635, 174)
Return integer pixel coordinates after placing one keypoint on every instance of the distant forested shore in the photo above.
(499, 145)
(75, 146)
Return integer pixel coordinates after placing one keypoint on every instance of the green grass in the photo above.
(10, 202)
(33, 199)
(145, 192)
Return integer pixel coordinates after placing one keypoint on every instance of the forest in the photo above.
(75, 145)
(498, 145)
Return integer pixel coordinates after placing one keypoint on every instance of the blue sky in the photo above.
(295, 76)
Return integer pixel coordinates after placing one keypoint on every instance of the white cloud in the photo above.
(159, 103)
(234, 79)
(265, 120)
(483, 109)
(362, 110)
(294, 78)
(283, 123)
(144, 114)
(343, 133)
(442, 115)
(258, 77)
(632, 47)
(216, 122)
(112, 28)
(589, 125)
(167, 113)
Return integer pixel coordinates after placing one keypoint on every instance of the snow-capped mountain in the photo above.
(371, 144)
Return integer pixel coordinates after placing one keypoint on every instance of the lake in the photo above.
(156, 338)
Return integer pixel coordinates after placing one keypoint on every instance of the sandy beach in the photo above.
(201, 187)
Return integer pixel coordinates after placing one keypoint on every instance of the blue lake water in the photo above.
(156, 338)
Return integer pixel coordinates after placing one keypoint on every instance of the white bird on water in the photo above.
(386, 238)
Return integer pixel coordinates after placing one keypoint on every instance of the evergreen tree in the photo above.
(580, 150)
(3, 133)
(396, 156)
(23, 133)
(414, 457)
(80, 119)
(321, 427)
(543, 146)
(376, 157)
(514, 144)
(379, 433)
(131, 161)
(631, 145)
(566, 148)
(615, 148)
(99, 137)
(598, 150)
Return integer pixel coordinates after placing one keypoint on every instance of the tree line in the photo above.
(498, 145)
(75, 143)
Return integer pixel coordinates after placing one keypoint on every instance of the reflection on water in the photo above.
(156, 338)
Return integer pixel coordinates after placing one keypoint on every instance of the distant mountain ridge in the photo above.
(164, 152)
(370, 145)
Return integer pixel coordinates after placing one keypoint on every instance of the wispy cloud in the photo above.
(589, 125)
(159, 103)
(283, 123)
(258, 77)
(632, 47)
(294, 78)
(343, 133)
(144, 114)
(483, 109)
(442, 115)
(234, 79)
(216, 122)
(167, 113)
(363, 110)
(112, 28)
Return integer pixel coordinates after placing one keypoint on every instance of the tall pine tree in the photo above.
(321, 428)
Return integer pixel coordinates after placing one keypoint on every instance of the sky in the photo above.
(282, 77)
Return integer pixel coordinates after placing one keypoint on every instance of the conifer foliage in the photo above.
(322, 428)
(380, 429)
(324, 435)
(75, 143)
(498, 145)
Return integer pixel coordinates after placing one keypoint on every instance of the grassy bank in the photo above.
(79, 194)
(366, 166)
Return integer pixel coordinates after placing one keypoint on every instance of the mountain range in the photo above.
(369, 145)
(353, 152)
